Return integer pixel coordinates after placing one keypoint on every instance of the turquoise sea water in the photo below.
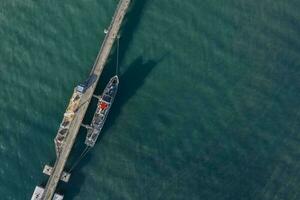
(208, 106)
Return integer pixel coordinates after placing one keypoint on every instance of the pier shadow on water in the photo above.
(130, 24)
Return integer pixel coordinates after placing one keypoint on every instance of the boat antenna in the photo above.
(118, 45)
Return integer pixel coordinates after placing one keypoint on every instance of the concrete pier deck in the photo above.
(103, 54)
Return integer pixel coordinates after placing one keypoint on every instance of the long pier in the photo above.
(62, 156)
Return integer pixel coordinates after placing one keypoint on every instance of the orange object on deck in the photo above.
(103, 105)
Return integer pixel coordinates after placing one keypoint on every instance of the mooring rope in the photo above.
(82, 155)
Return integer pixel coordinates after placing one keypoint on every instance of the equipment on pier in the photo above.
(68, 118)
(70, 113)
(38, 193)
(65, 176)
(87, 83)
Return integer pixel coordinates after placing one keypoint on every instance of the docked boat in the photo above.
(104, 104)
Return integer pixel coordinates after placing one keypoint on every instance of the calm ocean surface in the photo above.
(208, 106)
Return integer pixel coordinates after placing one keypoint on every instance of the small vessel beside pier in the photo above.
(103, 107)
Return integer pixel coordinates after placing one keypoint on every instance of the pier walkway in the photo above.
(111, 35)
